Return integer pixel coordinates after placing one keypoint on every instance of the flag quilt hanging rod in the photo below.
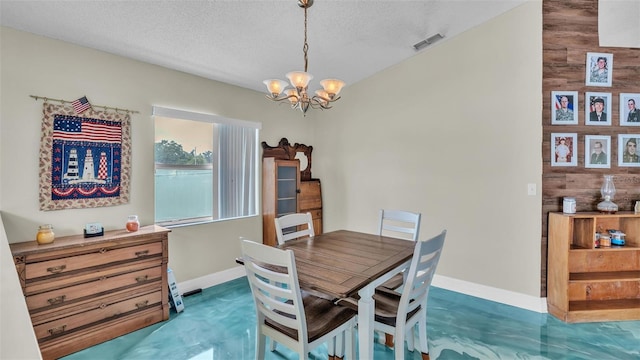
(92, 105)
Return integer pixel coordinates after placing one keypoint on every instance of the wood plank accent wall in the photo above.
(569, 31)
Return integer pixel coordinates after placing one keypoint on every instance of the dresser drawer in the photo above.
(94, 287)
(104, 312)
(102, 256)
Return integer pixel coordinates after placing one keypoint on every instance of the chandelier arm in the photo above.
(316, 104)
(282, 98)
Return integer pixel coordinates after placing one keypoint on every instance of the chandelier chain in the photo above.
(305, 47)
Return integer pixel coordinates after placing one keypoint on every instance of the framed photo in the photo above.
(564, 149)
(628, 150)
(597, 151)
(629, 109)
(599, 69)
(597, 107)
(564, 107)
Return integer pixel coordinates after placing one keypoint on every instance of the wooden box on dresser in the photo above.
(593, 284)
(84, 291)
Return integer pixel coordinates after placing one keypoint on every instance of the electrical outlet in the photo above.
(531, 189)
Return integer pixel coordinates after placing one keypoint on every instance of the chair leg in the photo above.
(400, 335)
(410, 341)
(339, 347)
(331, 348)
(388, 340)
(350, 342)
(261, 342)
(422, 338)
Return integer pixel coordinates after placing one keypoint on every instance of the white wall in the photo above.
(455, 133)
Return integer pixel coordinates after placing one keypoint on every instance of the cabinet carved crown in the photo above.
(284, 151)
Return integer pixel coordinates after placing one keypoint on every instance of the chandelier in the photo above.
(298, 96)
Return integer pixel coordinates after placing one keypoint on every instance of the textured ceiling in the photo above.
(244, 42)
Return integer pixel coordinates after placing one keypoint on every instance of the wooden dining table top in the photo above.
(339, 263)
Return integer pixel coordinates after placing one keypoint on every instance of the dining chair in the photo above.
(398, 223)
(289, 227)
(398, 313)
(286, 315)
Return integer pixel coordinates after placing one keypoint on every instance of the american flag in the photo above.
(81, 105)
(72, 128)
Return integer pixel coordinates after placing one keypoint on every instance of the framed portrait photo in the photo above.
(629, 109)
(599, 69)
(597, 108)
(597, 151)
(628, 150)
(564, 149)
(564, 107)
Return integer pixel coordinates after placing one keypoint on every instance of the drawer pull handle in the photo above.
(56, 269)
(58, 330)
(142, 278)
(142, 304)
(103, 250)
(57, 300)
(103, 305)
(142, 253)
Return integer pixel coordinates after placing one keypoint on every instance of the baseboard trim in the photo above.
(502, 296)
(507, 297)
(210, 280)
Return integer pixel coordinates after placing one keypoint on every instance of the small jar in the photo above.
(132, 223)
(605, 240)
(45, 234)
(569, 205)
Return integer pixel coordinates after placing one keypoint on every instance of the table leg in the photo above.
(366, 312)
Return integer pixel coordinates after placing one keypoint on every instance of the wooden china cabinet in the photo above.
(287, 187)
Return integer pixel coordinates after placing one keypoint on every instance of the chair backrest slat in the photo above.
(399, 222)
(293, 226)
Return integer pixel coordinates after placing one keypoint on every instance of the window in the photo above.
(206, 167)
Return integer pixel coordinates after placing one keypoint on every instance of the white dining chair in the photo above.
(398, 313)
(401, 224)
(286, 315)
(293, 226)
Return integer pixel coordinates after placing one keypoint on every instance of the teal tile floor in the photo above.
(219, 324)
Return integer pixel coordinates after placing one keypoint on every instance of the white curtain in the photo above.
(238, 160)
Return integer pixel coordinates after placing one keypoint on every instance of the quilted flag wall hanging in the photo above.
(85, 156)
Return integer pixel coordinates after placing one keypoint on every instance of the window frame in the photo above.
(216, 120)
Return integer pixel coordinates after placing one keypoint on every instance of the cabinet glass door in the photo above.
(287, 190)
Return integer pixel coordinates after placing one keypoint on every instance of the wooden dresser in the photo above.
(81, 292)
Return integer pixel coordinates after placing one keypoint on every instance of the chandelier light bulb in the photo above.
(275, 86)
(299, 79)
(332, 86)
(292, 95)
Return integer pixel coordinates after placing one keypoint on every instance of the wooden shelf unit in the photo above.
(81, 292)
(588, 284)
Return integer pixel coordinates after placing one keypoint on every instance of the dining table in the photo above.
(344, 263)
